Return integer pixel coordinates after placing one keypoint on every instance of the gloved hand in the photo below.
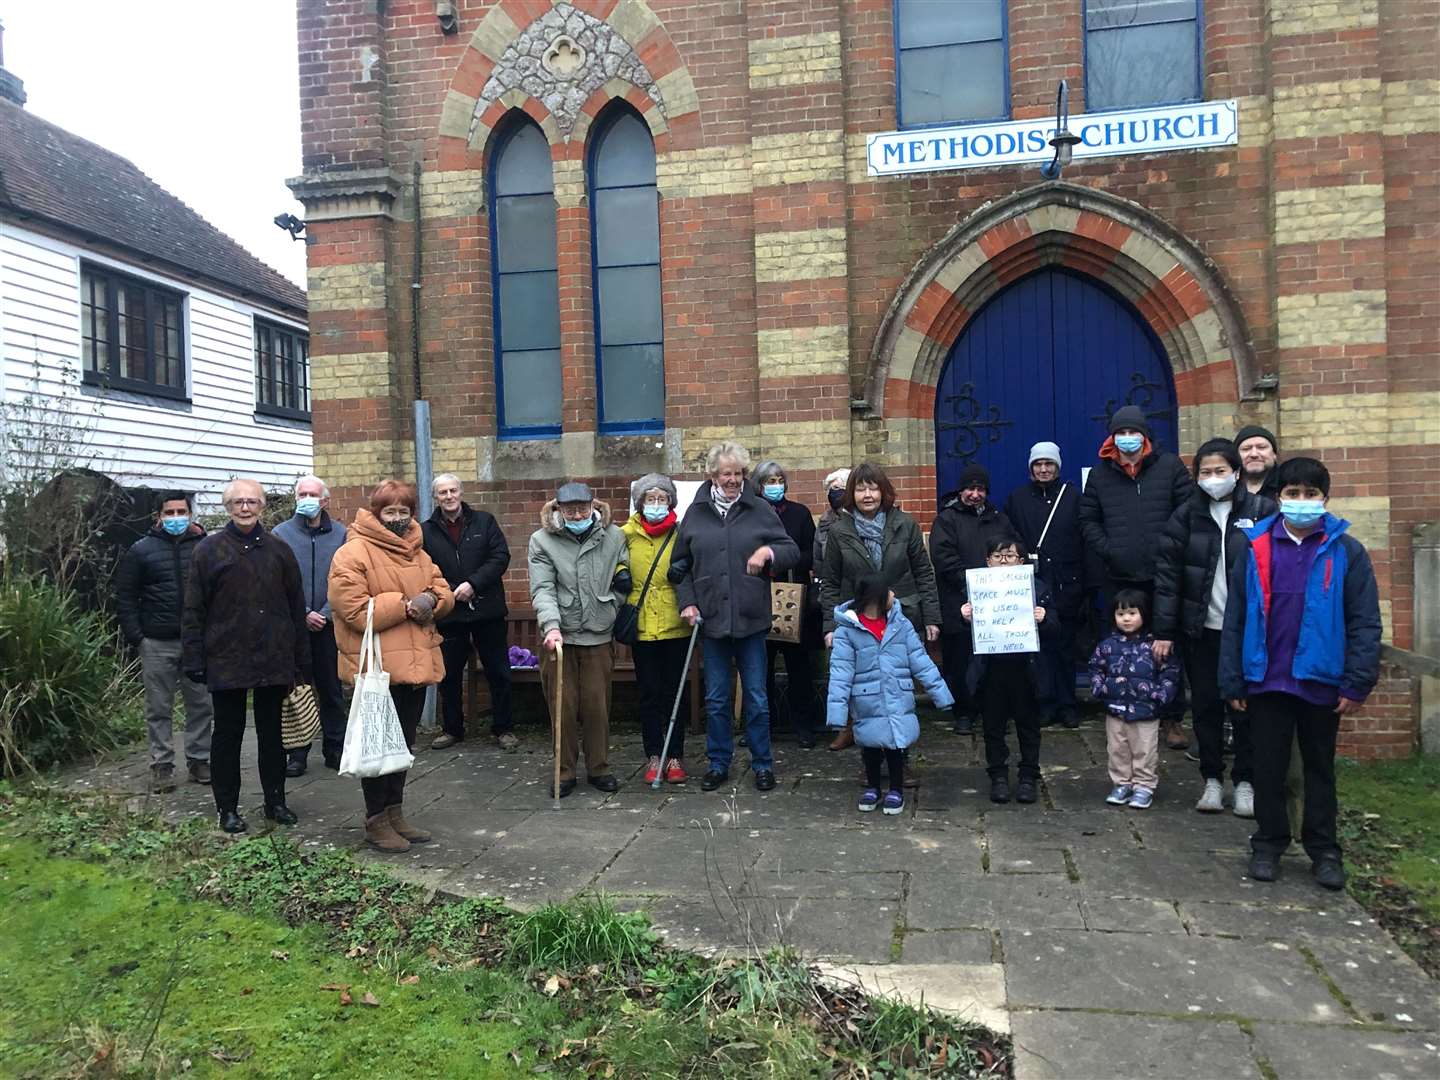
(678, 569)
(621, 584)
(422, 607)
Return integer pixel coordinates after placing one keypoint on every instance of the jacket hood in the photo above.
(845, 613)
(552, 522)
(368, 527)
(1111, 453)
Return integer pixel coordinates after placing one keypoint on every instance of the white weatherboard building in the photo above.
(133, 333)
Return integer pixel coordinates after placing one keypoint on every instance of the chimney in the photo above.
(11, 88)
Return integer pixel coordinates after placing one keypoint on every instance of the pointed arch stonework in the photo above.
(1175, 288)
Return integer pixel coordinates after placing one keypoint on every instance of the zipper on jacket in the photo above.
(179, 585)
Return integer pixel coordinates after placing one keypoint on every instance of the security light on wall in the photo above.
(291, 224)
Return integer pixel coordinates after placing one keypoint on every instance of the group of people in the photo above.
(1212, 571)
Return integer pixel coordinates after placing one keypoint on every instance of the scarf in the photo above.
(872, 532)
(721, 504)
(661, 527)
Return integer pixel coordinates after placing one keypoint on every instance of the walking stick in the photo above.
(559, 719)
(675, 710)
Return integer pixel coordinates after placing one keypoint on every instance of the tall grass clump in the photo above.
(587, 930)
(67, 687)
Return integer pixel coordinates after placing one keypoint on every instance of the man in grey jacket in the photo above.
(315, 537)
(578, 579)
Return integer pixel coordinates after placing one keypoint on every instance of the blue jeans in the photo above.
(747, 654)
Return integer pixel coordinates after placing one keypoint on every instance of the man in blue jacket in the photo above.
(1302, 569)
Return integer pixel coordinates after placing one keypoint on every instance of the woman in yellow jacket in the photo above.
(383, 559)
(660, 652)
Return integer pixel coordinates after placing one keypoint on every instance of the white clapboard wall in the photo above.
(196, 445)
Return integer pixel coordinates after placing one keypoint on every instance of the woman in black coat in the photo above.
(774, 488)
(1198, 548)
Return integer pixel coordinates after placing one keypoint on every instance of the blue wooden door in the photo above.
(1048, 358)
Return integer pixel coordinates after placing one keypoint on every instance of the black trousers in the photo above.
(657, 676)
(493, 649)
(1059, 652)
(1277, 720)
(329, 694)
(955, 653)
(1006, 693)
(1202, 661)
(893, 760)
(389, 790)
(799, 684)
(229, 732)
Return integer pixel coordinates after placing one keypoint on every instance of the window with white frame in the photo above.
(132, 333)
(951, 61)
(282, 371)
(1141, 52)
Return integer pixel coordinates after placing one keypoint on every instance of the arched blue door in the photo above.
(1049, 357)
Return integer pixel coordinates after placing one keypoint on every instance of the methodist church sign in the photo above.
(1021, 142)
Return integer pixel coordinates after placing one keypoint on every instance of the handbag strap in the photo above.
(646, 587)
(1053, 507)
(369, 644)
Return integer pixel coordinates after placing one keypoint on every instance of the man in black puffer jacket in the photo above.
(1128, 500)
(149, 599)
(966, 524)
(1046, 515)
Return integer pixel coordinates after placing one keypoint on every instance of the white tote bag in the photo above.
(374, 741)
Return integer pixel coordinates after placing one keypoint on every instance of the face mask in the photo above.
(579, 527)
(307, 506)
(655, 514)
(399, 528)
(1218, 487)
(836, 496)
(175, 526)
(773, 492)
(1129, 444)
(1302, 513)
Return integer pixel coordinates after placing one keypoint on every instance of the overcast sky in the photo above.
(200, 94)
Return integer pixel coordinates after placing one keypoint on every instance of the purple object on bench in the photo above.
(523, 658)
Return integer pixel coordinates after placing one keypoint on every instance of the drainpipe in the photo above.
(424, 471)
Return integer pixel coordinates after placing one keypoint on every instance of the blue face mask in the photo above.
(578, 527)
(1302, 513)
(1129, 444)
(654, 513)
(773, 492)
(307, 506)
(175, 526)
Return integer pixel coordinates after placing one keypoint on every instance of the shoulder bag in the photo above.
(627, 620)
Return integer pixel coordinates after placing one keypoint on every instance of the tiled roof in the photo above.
(47, 173)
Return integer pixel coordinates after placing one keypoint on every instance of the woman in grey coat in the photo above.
(728, 541)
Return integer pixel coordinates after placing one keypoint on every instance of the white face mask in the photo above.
(1218, 487)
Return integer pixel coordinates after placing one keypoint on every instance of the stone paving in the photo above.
(1108, 942)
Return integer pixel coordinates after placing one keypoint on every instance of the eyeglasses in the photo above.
(1003, 557)
(242, 503)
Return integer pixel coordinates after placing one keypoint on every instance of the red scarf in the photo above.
(875, 626)
(661, 527)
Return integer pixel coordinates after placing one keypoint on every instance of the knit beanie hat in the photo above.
(1252, 431)
(1045, 451)
(1130, 416)
(974, 475)
(651, 481)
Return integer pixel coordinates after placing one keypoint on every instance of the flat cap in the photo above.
(573, 491)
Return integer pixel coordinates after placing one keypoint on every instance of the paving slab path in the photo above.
(1107, 942)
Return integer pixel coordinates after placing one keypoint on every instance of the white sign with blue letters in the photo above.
(1021, 142)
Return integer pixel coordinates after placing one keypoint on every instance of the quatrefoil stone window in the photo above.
(564, 58)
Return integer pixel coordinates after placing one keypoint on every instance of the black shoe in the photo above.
(764, 780)
(332, 761)
(807, 742)
(566, 787)
(1025, 791)
(964, 725)
(713, 779)
(281, 814)
(231, 822)
(295, 767)
(1263, 866)
(999, 789)
(1068, 718)
(1329, 873)
(606, 783)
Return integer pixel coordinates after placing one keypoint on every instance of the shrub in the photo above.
(66, 685)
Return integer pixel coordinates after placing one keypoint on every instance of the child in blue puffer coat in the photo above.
(876, 658)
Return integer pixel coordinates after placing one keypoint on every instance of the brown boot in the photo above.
(1175, 737)
(379, 833)
(845, 739)
(404, 828)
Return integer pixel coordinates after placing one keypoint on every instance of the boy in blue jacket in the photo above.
(1302, 571)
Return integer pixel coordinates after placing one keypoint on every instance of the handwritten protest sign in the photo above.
(1002, 601)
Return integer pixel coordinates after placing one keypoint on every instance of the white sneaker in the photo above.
(1213, 800)
(1244, 800)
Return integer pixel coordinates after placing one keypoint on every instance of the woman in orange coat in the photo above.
(384, 560)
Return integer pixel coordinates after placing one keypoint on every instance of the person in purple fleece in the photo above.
(1301, 570)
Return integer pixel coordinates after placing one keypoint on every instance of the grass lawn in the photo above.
(96, 961)
(1390, 829)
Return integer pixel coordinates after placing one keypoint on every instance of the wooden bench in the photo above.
(523, 630)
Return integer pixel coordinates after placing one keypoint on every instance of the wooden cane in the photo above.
(559, 718)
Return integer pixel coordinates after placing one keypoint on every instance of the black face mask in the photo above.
(399, 528)
(836, 497)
